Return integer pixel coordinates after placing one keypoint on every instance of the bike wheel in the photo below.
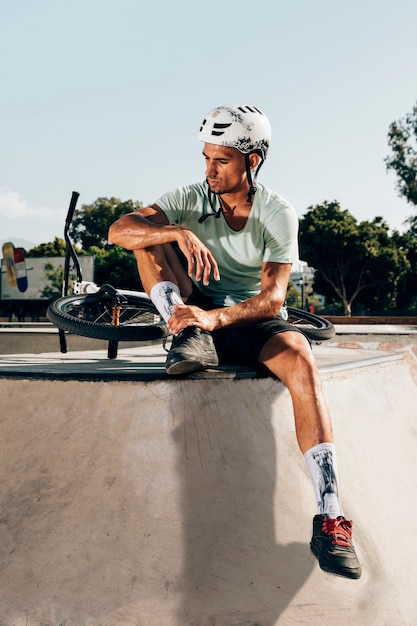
(315, 327)
(92, 315)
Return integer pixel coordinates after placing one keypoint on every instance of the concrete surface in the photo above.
(36, 338)
(397, 339)
(28, 338)
(132, 500)
(148, 363)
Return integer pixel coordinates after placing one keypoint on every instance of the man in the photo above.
(239, 241)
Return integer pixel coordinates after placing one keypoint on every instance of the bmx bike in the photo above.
(104, 312)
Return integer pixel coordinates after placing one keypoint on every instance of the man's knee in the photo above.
(288, 355)
(285, 343)
(155, 254)
(161, 263)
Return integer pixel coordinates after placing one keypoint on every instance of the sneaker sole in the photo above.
(328, 567)
(185, 367)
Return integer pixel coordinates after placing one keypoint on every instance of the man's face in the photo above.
(225, 169)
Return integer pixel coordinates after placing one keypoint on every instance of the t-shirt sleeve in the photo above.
(170, 204)
(281, 237)
(179, 204)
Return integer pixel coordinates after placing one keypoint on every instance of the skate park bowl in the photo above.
(130, 499)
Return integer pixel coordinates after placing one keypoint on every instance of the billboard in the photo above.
(29, 279)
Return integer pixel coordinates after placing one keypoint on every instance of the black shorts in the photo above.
(241, 345)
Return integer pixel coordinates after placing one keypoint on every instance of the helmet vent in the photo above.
(218, 129)
(249, 109)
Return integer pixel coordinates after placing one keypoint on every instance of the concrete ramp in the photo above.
(188, 503)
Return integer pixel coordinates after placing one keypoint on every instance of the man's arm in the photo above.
(149, 227)
(141, 229)
(266, 305)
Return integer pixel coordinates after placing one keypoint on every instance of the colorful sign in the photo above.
(8, 257)
(27, 278)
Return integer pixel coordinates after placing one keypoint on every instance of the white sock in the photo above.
(321, 461)
(165, 295)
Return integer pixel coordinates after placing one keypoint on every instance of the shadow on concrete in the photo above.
(235, 572)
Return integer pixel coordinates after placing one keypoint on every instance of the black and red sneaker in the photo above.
(332, 545)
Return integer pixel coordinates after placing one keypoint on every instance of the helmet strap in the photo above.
(216, 213)
(252, 182)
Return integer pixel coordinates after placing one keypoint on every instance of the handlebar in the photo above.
(69, 250)
(71, 209)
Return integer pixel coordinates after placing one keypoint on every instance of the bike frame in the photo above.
(69, 254)
(81, 286)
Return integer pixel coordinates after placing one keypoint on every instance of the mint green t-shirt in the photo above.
(270, 234)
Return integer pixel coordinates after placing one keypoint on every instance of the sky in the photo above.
(106, 98)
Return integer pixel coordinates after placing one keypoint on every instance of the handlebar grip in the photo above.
(71, 208)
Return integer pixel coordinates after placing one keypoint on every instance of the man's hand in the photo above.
(199, 257)
(190, 315)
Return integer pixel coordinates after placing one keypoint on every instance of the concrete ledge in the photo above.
(373, 319)
(146, 363)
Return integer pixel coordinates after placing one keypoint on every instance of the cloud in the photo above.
(13, 206)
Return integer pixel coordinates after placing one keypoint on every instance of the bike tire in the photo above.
(89, 315)
(315, 327)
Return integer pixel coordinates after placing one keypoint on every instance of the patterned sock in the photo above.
(165, 295)
(321, 461)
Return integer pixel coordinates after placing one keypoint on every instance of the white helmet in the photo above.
(239, 126)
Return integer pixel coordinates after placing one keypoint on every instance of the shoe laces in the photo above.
(339, 529)
(185, 336)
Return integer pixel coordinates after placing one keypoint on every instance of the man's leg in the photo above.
(289, 357)
(166, 282)
(161, 263)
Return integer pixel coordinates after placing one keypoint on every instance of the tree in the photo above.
(55, 277)
(407, 292)
(351, 259)
(53, 248)
(89, 229)
(402, 139)
(117, 267)
(91, 222)
(294, 297)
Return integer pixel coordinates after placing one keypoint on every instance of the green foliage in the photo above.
(293, 297)
(353, 260)
(54, 276)
(407, 283)
(89, 229)
(116, 267)
(53, 248)
(91, 222)
(402, 139)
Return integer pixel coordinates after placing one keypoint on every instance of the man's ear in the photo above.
(254, 159)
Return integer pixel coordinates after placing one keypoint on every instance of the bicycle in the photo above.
(122, 315)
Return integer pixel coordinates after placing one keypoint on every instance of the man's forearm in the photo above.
(135, 232)
(262, 307)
